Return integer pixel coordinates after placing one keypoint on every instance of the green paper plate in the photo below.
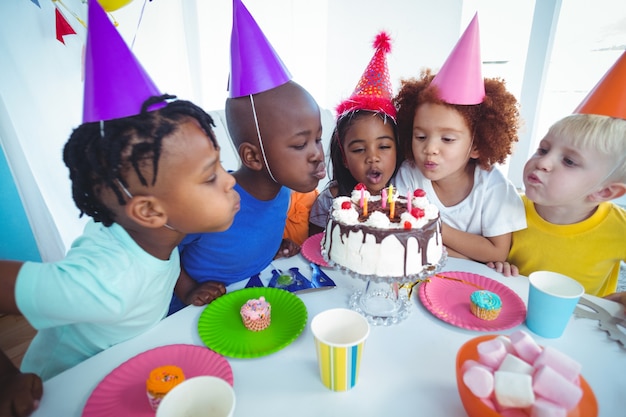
(221, 329)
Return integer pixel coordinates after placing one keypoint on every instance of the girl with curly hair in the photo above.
(452, 136)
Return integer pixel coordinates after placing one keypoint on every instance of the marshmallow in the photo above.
(512, 363)
(491, 353)
(507, 343)
(489, 403)
(553, 386)
(525, 346)
(560, 362)
(471, 362)
(545, 408)
(513, 389)
(479, 380)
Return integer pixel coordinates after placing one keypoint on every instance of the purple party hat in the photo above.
(254, 64)
(116, 85)
(460, 79)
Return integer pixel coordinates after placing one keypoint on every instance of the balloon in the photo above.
(112, 5)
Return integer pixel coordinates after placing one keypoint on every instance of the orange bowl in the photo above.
(474, 407)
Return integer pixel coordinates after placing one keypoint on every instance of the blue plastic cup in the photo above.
(552, 298)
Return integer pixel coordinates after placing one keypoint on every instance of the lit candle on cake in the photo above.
(408, 201)
(365, 207)
(383, 198)
(362, 202)
(390, 194)
(392, 208)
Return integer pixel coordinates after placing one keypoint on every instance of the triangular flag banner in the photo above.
(63, 28)
(254, 64)
(36, 2)
(116, 85)
(608, 97)
(460, 79)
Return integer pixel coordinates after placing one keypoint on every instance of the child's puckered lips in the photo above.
(320, 173)
(533, 179)
(430, 165)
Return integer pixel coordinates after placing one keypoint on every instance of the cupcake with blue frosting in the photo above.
(485, 304)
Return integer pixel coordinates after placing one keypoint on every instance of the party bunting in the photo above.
(63, 27)
(36, 2)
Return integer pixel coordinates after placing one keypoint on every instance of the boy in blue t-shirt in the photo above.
(276, 126)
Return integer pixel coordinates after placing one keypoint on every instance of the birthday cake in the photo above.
(385, 235)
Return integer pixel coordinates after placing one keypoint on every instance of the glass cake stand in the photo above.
(384, 301)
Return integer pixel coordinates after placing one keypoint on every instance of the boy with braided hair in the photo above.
(146, 180)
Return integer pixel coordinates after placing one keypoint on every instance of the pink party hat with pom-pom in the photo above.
(373, 92)
(608, 97)
(254, 64)
(116, 85)
(460, 79)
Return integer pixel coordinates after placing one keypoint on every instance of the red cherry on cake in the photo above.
(407, 226)
(346, 205)
(419, 193)
(417, 212)
(360, 186)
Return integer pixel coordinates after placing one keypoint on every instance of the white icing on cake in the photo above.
(375, 245)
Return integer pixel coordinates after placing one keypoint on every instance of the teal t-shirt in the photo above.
(106, 290)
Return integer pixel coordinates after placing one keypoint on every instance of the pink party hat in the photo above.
(460, 79)
(608, 97)
(254, 65)
(374, 91)
(116, 85)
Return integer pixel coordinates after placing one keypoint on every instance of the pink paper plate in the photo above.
(449, 300)
(312, 251)
(123, 391)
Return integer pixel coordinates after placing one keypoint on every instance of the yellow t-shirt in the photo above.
(589, 251)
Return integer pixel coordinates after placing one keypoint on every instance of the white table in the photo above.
(407, 368)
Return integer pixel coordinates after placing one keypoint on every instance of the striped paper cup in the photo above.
(340, 335)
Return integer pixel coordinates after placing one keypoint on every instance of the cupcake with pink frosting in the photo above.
(256, 314)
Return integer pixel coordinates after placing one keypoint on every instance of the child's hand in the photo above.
(619, 297)
(19, 393)
(504, 268)
(205, 292)
(288, 248)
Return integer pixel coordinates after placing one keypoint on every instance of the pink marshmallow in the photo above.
(525, 346)
(489, 403)
(551, 385)
(491, 353)
(507, 343)
(471, 362)
(545, 408)
(479, 380)
(560, 362)
(513, 389)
